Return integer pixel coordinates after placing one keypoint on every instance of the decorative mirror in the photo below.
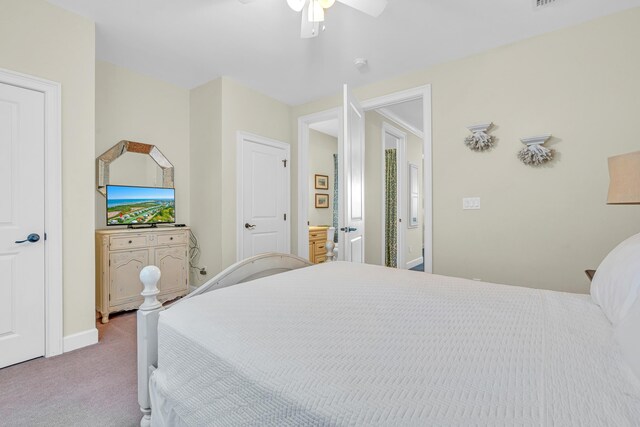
(122, 147)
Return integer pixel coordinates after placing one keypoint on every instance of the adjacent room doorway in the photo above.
(421, 208)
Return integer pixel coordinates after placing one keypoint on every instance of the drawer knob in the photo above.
(170, 238)
(130, 241)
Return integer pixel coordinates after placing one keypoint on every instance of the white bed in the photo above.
(353, 344)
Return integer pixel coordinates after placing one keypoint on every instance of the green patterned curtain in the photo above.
(391, 209)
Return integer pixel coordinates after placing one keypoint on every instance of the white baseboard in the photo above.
(81, 339)
(414, 263)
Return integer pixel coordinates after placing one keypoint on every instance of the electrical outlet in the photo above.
(471, 203)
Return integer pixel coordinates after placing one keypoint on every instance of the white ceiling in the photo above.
(328, 127)
(190, 42)
(408, 114)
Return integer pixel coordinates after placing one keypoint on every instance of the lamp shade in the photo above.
(624, 179)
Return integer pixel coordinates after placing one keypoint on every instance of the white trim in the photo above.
(401, 189)
(80, 339)
(53, 203)
(423, 92)
(390, 115)
(250, 137)
(414, 263)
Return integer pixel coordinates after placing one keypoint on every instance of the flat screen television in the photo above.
(128, 205)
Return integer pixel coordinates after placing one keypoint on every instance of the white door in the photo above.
(352, 196)
(264, 209)
(22, 321)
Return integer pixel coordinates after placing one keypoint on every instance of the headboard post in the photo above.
(148, 315)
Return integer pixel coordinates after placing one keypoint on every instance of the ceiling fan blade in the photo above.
(370, 7)
(308, 29)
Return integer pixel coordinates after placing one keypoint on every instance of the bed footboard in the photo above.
(262, 265)
(257, 266)
(148, 315)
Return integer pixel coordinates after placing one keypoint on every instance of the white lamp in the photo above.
(624, 179)
(296, 5)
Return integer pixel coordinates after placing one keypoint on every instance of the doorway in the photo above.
(402, 186)
(263, 196)
(421, 95)
(393, 144)
(30, 219)
(324, 189)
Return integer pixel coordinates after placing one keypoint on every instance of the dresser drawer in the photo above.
(126, 242)
(318, 236)
(320, 248)
(172, 239)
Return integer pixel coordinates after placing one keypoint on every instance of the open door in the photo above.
(352, 191)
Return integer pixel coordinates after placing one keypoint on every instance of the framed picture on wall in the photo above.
(322, 182)
(322, 200)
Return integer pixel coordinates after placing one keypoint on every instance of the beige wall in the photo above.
(139, 108)
(42, 40)
(374, 178)
(543, 226)
(322, 147)
(219, 110)
(205, 150)
(246, 110)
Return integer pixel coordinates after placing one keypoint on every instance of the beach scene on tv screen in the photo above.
(140, 205)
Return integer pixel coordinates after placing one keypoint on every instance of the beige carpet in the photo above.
(93, 386)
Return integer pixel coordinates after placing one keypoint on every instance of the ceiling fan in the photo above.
(313, 11)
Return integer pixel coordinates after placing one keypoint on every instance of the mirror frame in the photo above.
(122, 147)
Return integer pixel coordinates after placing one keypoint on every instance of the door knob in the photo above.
(348, 229)
(249, 226)
(31, 238)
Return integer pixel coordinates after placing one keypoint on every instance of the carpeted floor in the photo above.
(93, 386)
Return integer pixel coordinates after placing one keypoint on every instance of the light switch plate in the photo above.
(471, 203)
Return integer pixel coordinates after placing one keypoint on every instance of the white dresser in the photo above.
(122, 253)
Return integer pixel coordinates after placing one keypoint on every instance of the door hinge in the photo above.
(45, 236)
(285, 162)
(109, 297)
(285, 217)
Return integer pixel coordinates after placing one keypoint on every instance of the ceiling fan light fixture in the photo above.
(316, 12)
(326, 4)
(296, 5)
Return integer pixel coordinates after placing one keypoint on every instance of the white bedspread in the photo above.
(347, 344)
